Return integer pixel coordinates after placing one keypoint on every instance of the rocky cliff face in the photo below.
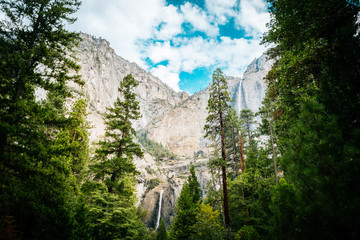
(102, 70)
(173, 119)
(181, 129)
(249, 91)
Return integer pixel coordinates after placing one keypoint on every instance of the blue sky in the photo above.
(181, 42)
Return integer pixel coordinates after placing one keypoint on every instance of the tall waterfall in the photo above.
(158, 218)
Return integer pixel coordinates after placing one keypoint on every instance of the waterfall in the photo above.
(158, 218)
(243, 104)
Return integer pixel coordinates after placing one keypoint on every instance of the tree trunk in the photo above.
(223, 168)
(234, 152)
(273, 153)
(120, 152)
(241, 153)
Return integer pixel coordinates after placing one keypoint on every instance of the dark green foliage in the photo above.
(318, 149)
(117, 151)
(315, 87)
(110, 195)
(249, 194)
(153, 183)
(162, 233)
(73, 140)
(186, 208)
(317, 49)
(218, 105)
(194, 185)
(38, 191)
(247, 233)
(247, 121)
(155, 149)
(232, 129)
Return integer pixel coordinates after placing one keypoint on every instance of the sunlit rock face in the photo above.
(249, 91)
(102, 70)
(181, 129)
(174, 119)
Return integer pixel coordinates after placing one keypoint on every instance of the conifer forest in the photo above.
(290, 171)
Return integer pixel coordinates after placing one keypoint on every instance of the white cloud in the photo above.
(168, 77)
(139, 29)
(171, 21)
(232, 55)
(199, 20)
(253, 16)
(121, 22)
(221, 9)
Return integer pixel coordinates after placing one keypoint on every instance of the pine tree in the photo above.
(267, 128)
(162, 233)
(232, 141)
(74, 140)
(110, 195)
(194, 185)
(186, 208)
(214, 127)
(207, 224)
(247, 120)
(37, 187)
(315, 84)
(118, 150)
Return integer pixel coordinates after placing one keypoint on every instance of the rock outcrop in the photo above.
(181, 129)
(102, 71)
(174, 119)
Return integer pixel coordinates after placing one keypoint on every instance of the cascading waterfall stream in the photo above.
(158, 218)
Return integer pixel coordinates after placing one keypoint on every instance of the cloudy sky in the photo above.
(179, 41)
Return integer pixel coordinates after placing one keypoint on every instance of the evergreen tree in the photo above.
(117, 151)
(186, 208)
(266, 128)
(249, 194)
(207, 226)
(194, 185)
(247, 121)
(315, 82)
(162, 233)
(74, 140)
(214, 127)
(232, 141)
(110, 195)
(36, 184)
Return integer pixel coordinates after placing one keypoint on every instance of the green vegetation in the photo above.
(39, 197)
(153, 183)
(52, 187)
(155, 149)
(218, 106)
(162, 233)
(110, 194)
(187, 207)
(149, 170)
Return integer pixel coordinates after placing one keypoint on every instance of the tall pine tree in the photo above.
(315, 82)
(36, 184)
(214, 127)
(186, 208)
(110, 195)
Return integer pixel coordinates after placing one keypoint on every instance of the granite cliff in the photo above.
(171, 118)
(181, 129)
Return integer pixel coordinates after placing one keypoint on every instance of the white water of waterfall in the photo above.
(240, 96)
(158, 218)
